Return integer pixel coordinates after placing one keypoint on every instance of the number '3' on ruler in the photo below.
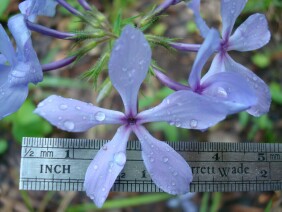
(57, 164)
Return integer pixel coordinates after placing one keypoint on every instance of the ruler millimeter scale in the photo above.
(58, 164)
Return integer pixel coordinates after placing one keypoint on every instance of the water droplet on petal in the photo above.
(100, 116)
(173, 183)
(221, 92)
(193, 123)
(168, 101)
(69, 125)
(78, 108)
(171, 123)
(178, 124)
(120, 158)
(41, 104)
(124, 69)
(141, 62)
(60, 118)
(111, 164)
(63, 107)
(117, 47)
(132, 37)
(175, 173)
(42, 113)
(18, 74)
(165, 159)
(95, 167)
(104, 147)
(103, 189)
(152, 159)
(84, 117)
(103, 199)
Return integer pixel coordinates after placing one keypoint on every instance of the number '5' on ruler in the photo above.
(57, 164)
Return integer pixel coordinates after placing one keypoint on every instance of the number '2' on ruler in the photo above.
(57, 164)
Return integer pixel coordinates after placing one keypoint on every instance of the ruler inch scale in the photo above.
(60, 164)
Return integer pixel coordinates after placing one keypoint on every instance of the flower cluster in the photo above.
(226, 88)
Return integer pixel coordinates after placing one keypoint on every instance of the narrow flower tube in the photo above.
(169, 82)
(58, 64)
(165, 5)
(186, 47)
(84, 4)
(69, 7)
(49, 32)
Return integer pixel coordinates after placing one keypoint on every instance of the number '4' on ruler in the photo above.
(60, 164)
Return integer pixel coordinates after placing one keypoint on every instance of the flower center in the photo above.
(131, 120)
(223, 46)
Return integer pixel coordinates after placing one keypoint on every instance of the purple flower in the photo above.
(33, 8)
(226, 92)
(250, 35)
(128, 67)
(17, 68)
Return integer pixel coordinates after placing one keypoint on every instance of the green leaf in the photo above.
(161, 41)
(147, 101)
(264, 122)
(244, 118)
(104, 90)
(216, 200)
(276, 92)
(205, 202)
(60, 82)
(96, 70)
(159, 29)
(74, 24)
(28, 124)
(269, 206)
(4, 6)
(129, 20)
(191, 27)
(261, 60)
(123, 203)
(3, 146)
(27, 200)
(117, 23)
(171, 132)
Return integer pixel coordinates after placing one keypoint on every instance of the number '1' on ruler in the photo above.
(57, 164)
